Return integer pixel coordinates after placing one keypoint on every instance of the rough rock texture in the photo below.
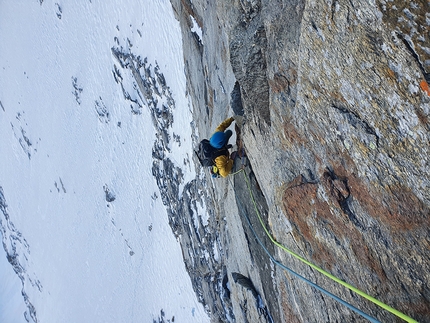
(336, 100)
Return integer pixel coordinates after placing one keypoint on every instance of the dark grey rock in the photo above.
(336, 101)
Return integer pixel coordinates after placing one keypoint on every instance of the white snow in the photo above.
(96, 261)
(196, 29)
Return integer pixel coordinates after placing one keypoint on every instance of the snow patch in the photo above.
(196, 29)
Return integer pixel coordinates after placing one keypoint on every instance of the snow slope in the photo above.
(85, 233)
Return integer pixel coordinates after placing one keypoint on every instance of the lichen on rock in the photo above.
(336, 101)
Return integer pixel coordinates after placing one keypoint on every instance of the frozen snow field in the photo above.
(85, 235)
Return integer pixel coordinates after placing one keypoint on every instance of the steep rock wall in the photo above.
(336, 100)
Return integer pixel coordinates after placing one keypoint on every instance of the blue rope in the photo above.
(351, 307)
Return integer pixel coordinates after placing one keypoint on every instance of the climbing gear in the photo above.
(215, 172)
(351, 307)
(322, 271)
(237, 172)
(248, 220)
(206, 153)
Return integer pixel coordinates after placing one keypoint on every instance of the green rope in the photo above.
(236, 172)
(322, 271)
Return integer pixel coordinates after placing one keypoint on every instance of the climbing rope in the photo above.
(322, 271)
(279, 264)
(232, 174)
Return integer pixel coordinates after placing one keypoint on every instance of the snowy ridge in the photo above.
(191, 220)
(17, 253)
(82, 125)
(150, 90)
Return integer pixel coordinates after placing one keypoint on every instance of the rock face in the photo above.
(336, 99)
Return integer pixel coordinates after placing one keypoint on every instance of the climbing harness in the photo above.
(322, 271)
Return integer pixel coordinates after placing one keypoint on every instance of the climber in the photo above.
(214, 152)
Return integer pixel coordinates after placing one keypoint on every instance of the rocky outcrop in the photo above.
(336, 100)
(18, 254)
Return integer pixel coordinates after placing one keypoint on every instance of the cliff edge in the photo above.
(336, 99)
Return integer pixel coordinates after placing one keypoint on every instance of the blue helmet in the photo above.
(218, 140)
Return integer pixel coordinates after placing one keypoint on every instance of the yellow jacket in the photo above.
(224, 163)
(224, 125)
